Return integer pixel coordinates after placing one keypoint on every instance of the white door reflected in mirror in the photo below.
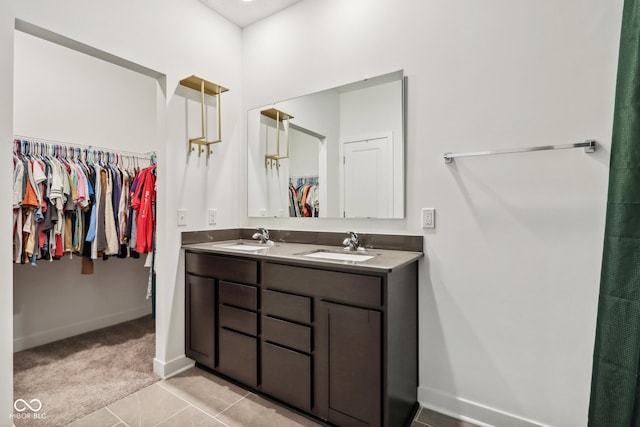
(366, 167)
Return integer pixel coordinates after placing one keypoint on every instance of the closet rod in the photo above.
(149, 155)
(588, 145)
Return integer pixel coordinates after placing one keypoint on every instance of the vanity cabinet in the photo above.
(363, 341)
(331, 340)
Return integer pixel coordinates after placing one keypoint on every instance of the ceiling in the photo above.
(243, 13)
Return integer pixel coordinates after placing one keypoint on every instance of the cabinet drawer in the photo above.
(286, 375)
(239, 295)
(292, 335)
(238, 357)
(287, 306)
(222, 267)
(239, 320)
(353, 288)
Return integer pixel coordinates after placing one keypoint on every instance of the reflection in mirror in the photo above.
(338, 153)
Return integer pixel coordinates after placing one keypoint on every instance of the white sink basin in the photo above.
(244, 247)
(339, 256)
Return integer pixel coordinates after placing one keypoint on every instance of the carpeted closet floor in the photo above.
(78, 375)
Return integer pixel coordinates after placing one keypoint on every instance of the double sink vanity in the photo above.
(327, 330)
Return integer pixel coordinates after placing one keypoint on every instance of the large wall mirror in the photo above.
(338, 153)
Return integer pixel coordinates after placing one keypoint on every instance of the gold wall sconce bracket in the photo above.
(272, 160)
(205, 88)
(279, 116)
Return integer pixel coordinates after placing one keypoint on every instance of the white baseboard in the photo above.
(173, 367)
(469, 411)
(66, 331)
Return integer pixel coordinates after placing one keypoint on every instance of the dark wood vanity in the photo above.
(335, 341)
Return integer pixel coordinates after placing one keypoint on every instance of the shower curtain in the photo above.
(615, 387)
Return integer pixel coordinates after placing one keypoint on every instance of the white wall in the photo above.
(304, 152)
(62, 94)
(175, 39)
(508, 287)
(69, 96)
(6, 282)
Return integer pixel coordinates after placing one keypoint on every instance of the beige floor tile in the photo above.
(204, 390)
(191, 417)
(148, 407)
(436, 419)
(254, 411)
(99, 418)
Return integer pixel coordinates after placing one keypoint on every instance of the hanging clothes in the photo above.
(143, 198)
(79, 203)
(304, 198)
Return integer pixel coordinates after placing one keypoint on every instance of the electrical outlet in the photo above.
(182, 217)
(428, 218)
(213, 216)
(263, 212)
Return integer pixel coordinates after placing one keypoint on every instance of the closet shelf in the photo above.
(205, 88)
(195, 83)
(276, 114)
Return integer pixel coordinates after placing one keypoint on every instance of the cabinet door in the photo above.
(200, 319)
(354, 364)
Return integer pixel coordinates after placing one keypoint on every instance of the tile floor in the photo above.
(199, 399)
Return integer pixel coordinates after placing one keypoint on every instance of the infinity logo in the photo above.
(21, 405)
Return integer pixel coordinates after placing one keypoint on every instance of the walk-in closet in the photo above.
(85, 131)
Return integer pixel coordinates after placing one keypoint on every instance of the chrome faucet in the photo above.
(351, 243)
(263, 235)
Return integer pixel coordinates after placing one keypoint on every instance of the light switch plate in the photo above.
(213, 216)
(182, 217)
